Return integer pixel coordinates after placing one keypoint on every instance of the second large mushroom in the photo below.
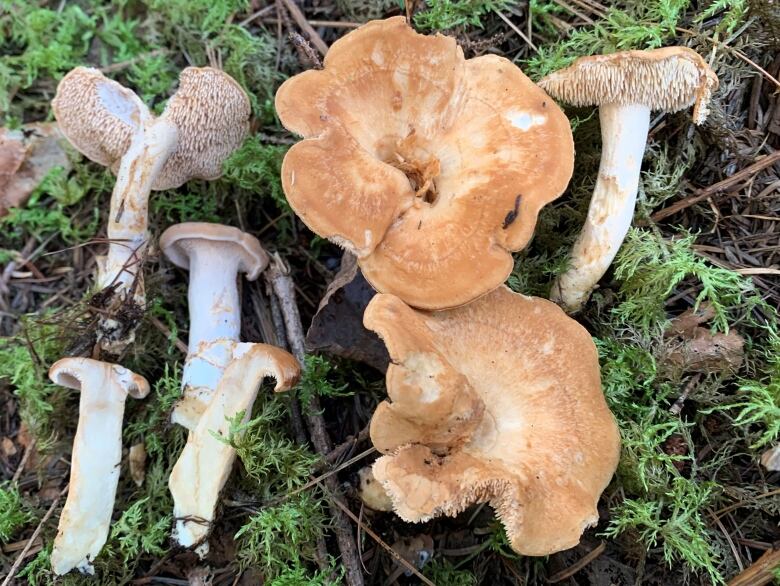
(498, 401)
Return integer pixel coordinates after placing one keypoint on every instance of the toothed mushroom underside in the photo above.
(97, 454)
(498, 401)
(205, 463)
(429, 167)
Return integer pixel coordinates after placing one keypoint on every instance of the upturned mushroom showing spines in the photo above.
(429, 167)
(97, 453)
(626, 86)
(204, 121)
(214, 255)
(497, 401)
(203, 468)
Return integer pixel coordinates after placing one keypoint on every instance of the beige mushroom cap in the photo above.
(71, 372)
(177, 243)
(667, 79)
(97, 115)
(211, 111)
(497, 401)
(429, 167)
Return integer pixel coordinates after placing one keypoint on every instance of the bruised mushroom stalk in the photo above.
(221, 375)
(204, 121)
(97, 453)
(625, 86)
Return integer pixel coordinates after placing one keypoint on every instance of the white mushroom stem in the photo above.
(151, 146)
(97, 453)
(624, 137)
(205, 463)
(215, 326)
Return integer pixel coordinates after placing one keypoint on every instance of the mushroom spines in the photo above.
(668, 79)
(211, 111)
(97, 115)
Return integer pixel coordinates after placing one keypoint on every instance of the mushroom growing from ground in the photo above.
(429, 167)
(204, 121)
(214, 255)
(205, 464)
(626, 87)
(97, 453)
(497, 401)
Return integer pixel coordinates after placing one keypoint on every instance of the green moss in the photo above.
(441, 571)
(447, 14)
(15, 513)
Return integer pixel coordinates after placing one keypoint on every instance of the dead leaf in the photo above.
(8, 447)
(137, 459)
(691, 348)
(26, 156)
(417, 550)
(337, 327)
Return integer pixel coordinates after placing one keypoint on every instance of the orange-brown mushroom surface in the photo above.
(429, 167)
(498, 401)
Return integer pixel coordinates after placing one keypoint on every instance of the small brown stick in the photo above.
(23, 462)
(381, 542)
(165, 330)
(347, 445)
(760, 572)
(36, 533)
(678, 404)
(578, 565)
(703, 194)
(301, 21)
(278, 274)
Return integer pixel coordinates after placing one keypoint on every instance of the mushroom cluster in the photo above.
(431, 169)
(205, 120)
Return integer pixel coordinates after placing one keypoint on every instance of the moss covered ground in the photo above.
(689, 505)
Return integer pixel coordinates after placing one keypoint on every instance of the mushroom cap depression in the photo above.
(497, 401)
(429, 167)
(210, 110)
(668, 79)
(97, 115)
(178, 241)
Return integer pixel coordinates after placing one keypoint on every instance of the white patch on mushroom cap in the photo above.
(525, 120)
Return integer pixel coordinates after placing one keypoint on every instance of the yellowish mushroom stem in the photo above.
(205, 463)
(97, 453)
(152, 145)
(624, 137)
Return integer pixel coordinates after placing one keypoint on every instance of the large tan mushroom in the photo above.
(497, 401)
(97, 453)
(205, 120)
(429, 167)
(626, 86)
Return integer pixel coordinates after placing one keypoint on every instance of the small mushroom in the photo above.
(625, 86)
(497, 401)
(214, 255)
(205, 120)
(429, 167)
(371, 491)
(205, 464)
(97, 453)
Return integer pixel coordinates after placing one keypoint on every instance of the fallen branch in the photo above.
(759, 573)
(278, 276)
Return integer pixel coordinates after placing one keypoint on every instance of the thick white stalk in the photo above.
(97, 453)
(128, 220)
(215, 326)
(624, 137)
(205, 463)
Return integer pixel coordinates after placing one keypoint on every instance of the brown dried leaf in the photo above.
(337, 328)
(26, 156)
(771, 459)
(137, 460)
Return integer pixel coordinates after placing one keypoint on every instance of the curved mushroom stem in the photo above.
(152, 145)
(205, 464)
(624, 137)
(97, 453)
(215, 326)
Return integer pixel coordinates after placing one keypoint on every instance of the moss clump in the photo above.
(16, 513)
(447, 14)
